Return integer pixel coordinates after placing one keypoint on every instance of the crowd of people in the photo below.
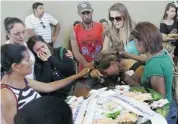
(33, 72)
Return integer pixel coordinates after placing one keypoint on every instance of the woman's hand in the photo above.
(123, 53)
(84, 72)
(44, 55)
(69, 54)
(47, 52)
(95, 73)
(130, 80)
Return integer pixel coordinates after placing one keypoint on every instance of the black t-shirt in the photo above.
(168, 29)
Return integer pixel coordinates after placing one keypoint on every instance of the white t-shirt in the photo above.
(41, 27)
(32, 57)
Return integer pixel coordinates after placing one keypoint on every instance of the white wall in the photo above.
(66, 12)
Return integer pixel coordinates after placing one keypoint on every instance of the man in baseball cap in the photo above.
(86, 38)
(85, 11)
(84, 6)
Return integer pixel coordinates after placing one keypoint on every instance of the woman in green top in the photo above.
(158, 70)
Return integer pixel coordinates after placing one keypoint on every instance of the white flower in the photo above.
(122, 88)
(159, 103)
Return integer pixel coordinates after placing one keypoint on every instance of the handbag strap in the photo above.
(60, 51)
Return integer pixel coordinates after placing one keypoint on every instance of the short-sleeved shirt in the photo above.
(160, 65)
(89, 41)
(41, 26)
(168, 29)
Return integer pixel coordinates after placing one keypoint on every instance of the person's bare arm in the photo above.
(131, 80)
(141, 58)
(55, 32)
(168, 37)
(157, 83)
(52, 86)
(106, 43)
(75, 49)
(8, 106)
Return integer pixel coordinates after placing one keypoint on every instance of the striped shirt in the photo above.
(23, 96)
(41, 26)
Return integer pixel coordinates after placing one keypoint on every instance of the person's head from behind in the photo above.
(15, 59)
(119, 16)
(45, 110)
(147, 37)
(170, 12)
(76, 22)
(15, 30)
(85, 11)
(105, 23)
(108, 62)
(37, 44)
(38, 9)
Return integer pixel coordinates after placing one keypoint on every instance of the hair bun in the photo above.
(6, 20)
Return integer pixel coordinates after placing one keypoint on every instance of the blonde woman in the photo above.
(121, 25)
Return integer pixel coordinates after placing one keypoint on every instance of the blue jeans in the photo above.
(172, 116)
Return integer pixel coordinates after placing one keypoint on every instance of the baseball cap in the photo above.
(84, 6)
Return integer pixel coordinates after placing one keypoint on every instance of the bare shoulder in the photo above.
(7, 97)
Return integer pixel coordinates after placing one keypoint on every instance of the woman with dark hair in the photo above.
(15, 30)
(41, 111)
(158, 70)
(169, 28)
(16, 90)
(51, 64)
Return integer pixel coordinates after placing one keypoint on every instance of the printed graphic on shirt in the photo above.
(98, 48)
(85, 50)
(173, 31)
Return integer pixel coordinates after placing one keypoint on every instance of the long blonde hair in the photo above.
(128, 23)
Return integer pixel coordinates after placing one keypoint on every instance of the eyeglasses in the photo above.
(42, 24)
(86, 12)
(118, 18)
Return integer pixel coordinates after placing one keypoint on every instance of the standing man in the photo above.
(86, 38)
(39, 23)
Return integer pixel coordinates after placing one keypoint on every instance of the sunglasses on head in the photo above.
(118, 18)
(86, 12)
(42, 24)
(99, 65)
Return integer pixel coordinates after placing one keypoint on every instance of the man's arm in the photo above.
(75, 49)
(55, 32)
(56, 25)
